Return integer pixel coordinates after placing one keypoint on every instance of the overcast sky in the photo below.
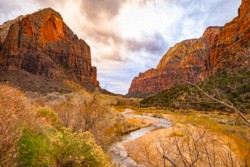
(129, 36)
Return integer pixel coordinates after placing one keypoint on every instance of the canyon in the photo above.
(54, 113)
(194, 60)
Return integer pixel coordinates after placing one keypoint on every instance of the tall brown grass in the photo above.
(12, 114)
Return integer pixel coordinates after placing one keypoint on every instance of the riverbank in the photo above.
(218, 136)
(146, 124)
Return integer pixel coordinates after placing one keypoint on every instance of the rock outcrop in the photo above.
(43, 45)
(194, 60)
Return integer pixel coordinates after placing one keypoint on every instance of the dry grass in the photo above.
(181, 146)
(13, 115)
(82, 110)
(176, 134)
(133, 120)
(225, 126)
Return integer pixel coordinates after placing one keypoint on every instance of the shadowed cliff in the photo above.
(41, 44)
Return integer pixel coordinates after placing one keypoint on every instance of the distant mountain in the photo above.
(219, 48)
(38, 52)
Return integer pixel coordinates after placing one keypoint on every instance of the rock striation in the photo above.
(194, 60)
(43, 45)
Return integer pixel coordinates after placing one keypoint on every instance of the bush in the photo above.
(51, 117)
(50, 147)
(35, 149)
(80, 149)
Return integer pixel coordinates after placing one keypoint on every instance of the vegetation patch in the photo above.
(232, 87)
(38, 137)
(50, 147)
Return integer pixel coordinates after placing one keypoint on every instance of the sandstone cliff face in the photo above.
(219, 48)
(42, 44)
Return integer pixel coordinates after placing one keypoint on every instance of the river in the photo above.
(118, 152)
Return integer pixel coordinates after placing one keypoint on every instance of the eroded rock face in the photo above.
(42, 44)
(194, 60)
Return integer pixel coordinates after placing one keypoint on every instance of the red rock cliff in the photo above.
(219, 48)
(42, 44)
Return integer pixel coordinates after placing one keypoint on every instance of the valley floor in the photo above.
(194, 139)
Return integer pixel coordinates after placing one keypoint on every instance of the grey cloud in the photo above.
(112, 56)
(154, 44)
(106, 37)
(7, 9)
(99, 9)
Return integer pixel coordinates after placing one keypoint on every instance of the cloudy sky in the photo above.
(129, 36)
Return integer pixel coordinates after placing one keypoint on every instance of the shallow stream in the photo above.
(118, 152)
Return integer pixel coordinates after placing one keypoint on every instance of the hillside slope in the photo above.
(227, 86)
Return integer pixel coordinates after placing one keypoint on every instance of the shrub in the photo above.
(50, 147)
(80, 149)
(35, 149)
(51, 117)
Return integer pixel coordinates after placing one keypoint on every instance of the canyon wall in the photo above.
(194, 60)
(43, 45)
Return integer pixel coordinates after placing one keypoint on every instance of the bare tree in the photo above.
(227, 103)
(89, 112)
(191, 148)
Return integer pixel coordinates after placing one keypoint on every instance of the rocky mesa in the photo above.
(219, 48)
(41, 44)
